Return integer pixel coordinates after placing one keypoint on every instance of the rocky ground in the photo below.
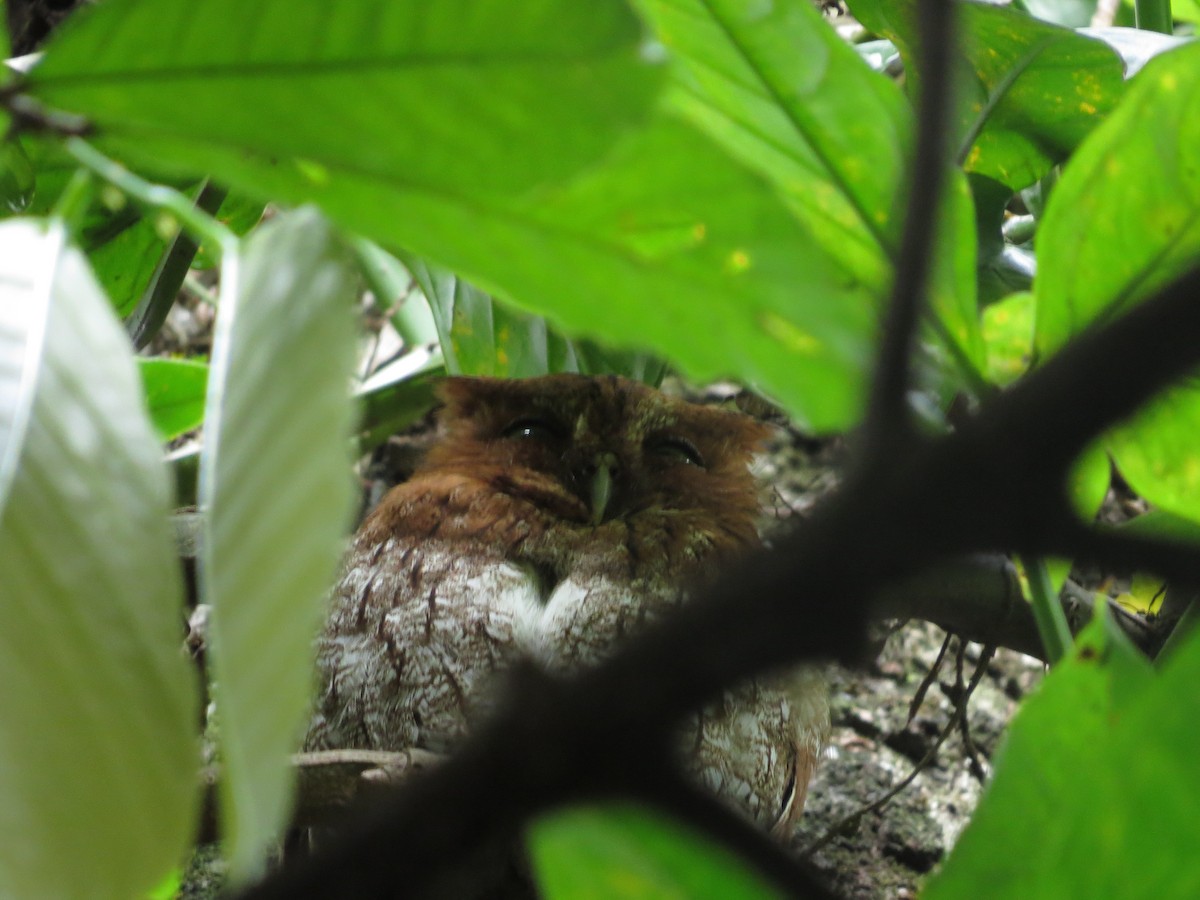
(884, 853)
(887, 852)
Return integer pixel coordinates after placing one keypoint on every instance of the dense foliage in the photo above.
(716, 184)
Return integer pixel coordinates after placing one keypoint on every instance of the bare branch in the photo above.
(995, 485)
(979, 598)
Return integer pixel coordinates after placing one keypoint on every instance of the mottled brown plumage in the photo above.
(553, 517)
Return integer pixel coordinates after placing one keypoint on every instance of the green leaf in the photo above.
(1186, 10)
(1032, 90)
(1157, 454)
(274, 485)
(1161, 524)
(670, 246)
(482, 337)
(441, 95)
(98, 757)
(1088, 481)
(1008, 332)
(17, 178)
(632, 852)
(954, 336)
(1124, 219)
(782, 93)
(1115, 230)
(1094, 791)
(174, 394)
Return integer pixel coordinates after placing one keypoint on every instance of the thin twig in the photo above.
(957, 720)
(927, 682)
(887, 418)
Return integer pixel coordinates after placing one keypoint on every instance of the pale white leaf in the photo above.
(275, 485)
(98, 751)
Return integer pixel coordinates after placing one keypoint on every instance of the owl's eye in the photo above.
(534, 427)
(675, 449)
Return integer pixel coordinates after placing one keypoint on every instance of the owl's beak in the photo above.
(602, 484)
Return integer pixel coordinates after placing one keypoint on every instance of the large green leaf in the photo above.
(98, 760)
(590, 853)
(1095, 787)
(441, 95)
(276, 493)
(1122, 221)
(673, 246)
(1031, 92)
(1157, 451)
(781, 92)
(670, 246)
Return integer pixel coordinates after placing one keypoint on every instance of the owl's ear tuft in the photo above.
(742, 431)
(463, 395)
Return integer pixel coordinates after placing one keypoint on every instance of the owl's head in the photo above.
(600, 448)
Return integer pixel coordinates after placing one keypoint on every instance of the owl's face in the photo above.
(599, 449)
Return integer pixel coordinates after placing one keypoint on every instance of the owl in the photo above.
(554, 517)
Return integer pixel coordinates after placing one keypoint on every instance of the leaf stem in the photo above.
(1047, 612)
(170, 273)
(202, 226)
(1153, 15)
(74, 200)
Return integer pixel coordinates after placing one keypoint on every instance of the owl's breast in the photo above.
(416, 632)
(583, 619)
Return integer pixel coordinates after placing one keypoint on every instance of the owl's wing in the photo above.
(757, 746)
(417, 627)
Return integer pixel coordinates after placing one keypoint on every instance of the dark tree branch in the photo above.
(979, 598)
(1175, 561)
(887, 420)
(1046, 420)
(996, 485)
